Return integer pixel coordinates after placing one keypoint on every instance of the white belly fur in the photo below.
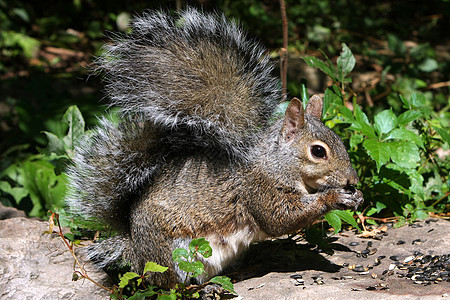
(225, 249)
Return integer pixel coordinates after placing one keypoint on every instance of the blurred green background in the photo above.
(401, 48)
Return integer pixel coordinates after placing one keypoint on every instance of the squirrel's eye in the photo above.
(318, 151)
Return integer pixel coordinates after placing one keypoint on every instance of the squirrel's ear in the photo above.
(294, 119)
(314, 107)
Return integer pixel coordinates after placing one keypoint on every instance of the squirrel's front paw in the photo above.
(348, 198)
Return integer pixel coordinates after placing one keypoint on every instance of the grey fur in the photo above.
(194, 156)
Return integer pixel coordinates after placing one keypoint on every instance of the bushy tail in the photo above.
(187, 85)
(196, 72)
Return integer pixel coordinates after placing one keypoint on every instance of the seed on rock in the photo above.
(364, 273)
(417, 242)
(392, 267)
(408, 259)
(400, 242)
(373, 251)
(355, 289)
(345, 264)
(359, 268)
(374, 275)
(296, 276)
(346, 277)
(369, 244)
(365, 252)
(354, 244)
(382, 257)
(299, 282)
(394, 257)
(371, 288)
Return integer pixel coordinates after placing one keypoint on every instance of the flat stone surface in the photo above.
(35, 265)
(271, 265)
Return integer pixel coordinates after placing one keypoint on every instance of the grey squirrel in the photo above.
(195, 153)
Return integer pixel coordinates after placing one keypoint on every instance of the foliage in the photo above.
(187, 260)
(395, 154)
(40, 178)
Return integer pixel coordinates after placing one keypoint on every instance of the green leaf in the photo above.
(443, 133)
(378, 151)
(331, 101)
(380, 206)
(361, 123)
(408, 116)
(55, 145)
(334, 221)
(172, 296)
(396, 45)
(201, 246)
(18, 193)
(405, 135)
(195, 268)
(225, 282)
(74, 118)
(346, 61)
(355, 140)
(142, 295)
(405, 101)
(154, 267)
(385, 121)
(124, 280)
(428, 65)
(417, 100)
(405, 154)
(180, 255)
(347, 216)
(321, 65)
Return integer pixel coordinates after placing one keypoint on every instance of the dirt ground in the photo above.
(410, 262)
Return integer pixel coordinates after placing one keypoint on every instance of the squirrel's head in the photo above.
(317, 156)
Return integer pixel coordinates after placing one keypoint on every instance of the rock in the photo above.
(10, 212)
(35, 265)
(270, 265)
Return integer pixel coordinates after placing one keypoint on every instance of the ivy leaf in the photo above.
(405, 154)
(334, 221)
(385, 121)
(225, 282)
(405, 135)
(346, 61)
(379, 151)
(154, 267)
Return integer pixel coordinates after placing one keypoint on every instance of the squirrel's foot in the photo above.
(348, 198)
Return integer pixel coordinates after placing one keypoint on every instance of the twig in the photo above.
(438, 85)
(283, 50)
(82, 271)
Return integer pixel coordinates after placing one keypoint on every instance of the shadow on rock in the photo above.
(283, 256)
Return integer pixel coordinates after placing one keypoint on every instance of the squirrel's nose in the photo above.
(352, 178)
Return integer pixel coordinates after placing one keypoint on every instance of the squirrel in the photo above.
(196, 152)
